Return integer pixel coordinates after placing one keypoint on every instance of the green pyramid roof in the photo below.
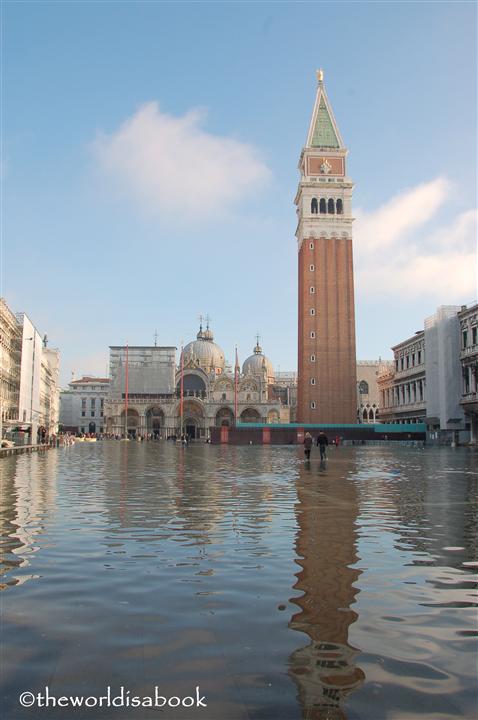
(324, 134)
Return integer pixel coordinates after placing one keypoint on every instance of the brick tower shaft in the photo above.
(326, 353)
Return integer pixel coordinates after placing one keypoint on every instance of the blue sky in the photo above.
(104, 244)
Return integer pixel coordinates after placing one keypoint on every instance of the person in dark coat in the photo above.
(307, 445)
(322, 443)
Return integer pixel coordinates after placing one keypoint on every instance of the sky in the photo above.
(149, 167)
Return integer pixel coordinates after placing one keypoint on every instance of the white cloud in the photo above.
(395, 254)
(174, 167)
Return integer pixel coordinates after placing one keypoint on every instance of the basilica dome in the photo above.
(256, 364)
(204, 353)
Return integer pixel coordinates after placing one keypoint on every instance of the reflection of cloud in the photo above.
(394, 254)
(173, 166)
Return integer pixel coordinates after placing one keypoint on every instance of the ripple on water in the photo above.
(284, 590)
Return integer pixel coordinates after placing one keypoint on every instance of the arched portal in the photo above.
(224, 417)
(154, 420)
(249, 415)
(92, 427)
(193, 386)
(193, 419)
(131, 427)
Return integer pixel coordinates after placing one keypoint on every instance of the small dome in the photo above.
(257, 363)
(204, 353)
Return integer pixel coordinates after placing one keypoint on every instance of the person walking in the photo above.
(307, 445)
(322, 443)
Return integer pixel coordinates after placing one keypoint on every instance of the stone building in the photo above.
(49, 389)
(38, 404)
(327, 390)
(468, 319)
(402, 384)
(433, 377)
(368, 401)
(10, 348)
(82, 405)
(150, 371)
(208, 390)
(445, 416)
(29, 371)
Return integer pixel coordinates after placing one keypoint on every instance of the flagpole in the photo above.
(235, 388)
(126, 396)
(181, 397)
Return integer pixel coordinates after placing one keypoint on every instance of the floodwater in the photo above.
(282, 590)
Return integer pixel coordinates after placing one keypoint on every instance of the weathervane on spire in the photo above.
(208, 320)
(320, 75)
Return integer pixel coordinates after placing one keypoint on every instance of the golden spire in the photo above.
(320, 75)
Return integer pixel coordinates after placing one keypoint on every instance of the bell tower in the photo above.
(326, 362)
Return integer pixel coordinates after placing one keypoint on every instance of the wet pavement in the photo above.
(283, 589)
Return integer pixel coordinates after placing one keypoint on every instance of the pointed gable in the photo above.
(323, 130)
(324, 134)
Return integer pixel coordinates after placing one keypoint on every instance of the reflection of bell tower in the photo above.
(325, 670)
(326, 391)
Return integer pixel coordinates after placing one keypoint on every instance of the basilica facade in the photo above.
(166, 399)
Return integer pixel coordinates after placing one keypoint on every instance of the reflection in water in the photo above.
(152, 563)
(325, 669)
(27, 500)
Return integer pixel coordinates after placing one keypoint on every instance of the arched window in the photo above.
(331, 206)
(314, 207)
(363, 387)
(323, 206)
(340, 207)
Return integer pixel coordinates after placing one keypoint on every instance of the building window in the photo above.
(82, 429)
(419, 359)
(92, 413)
(312, 405)
(401, 363)
(340, 207)
(312, 311)
(473, 335)
(312, 290)
(363, 387)
(314, 207)
(312, 358)
(331, 206)
(322, 206)
(396, 365)
(83, 413)
(408, 361)
(465, 338)
(312, 381)
(311, 246)
(223, 396)
(312, 334)
(311, 268)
